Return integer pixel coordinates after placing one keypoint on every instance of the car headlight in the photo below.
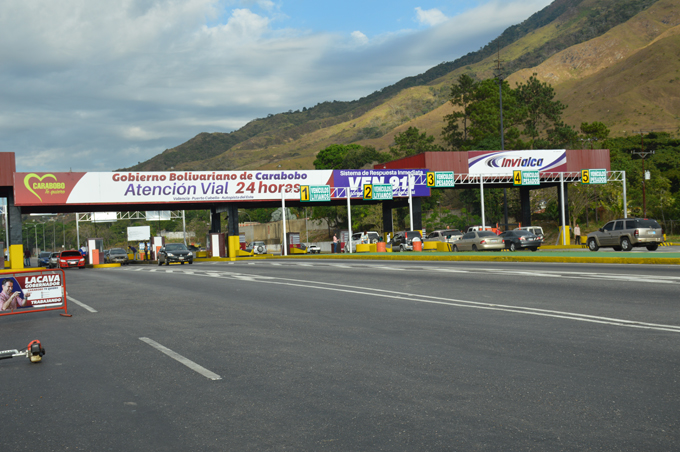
(190, 254)
(171, 254)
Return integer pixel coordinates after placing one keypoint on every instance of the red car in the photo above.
(71, 258)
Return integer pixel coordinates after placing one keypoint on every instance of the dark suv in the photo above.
(403, 241)
(626, 233)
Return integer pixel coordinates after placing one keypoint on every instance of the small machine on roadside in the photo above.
(34, 351)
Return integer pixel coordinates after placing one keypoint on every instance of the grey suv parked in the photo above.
(626, 233)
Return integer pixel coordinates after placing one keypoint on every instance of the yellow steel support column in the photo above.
(233, 245)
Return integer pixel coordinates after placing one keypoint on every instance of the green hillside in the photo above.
(292, 139)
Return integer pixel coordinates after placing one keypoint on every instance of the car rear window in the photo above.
(412, 234)
(645, 223)
(70, 254)
(486, 234)
(452, 232)
(45, 254)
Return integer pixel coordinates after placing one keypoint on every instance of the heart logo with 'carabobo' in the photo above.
(40, 179)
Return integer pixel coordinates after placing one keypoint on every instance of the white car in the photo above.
(373, 237)
(313, 249)
(257, 248)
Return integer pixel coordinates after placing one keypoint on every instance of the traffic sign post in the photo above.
(441, 179)
(315, 193)
(381, 192)
(526, 178)
(594, 176)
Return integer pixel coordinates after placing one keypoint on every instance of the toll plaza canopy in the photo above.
(506, 169)
(219, 191)
(96, 191)
(505, 162)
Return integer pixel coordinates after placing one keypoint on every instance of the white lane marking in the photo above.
(81, 304)
(176, 356)
(465, 303)
(450, 302)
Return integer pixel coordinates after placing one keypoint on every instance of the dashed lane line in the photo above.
(187, 362)
(81, 304)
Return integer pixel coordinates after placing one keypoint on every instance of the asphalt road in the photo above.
(351, 356)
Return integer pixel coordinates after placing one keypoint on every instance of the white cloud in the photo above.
(98, 85)
(430, 17)
(359, 37)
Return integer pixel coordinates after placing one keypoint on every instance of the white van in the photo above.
(479, 228)
(536, 230)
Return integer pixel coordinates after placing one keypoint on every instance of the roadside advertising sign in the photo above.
(32, 291)
(104, 217)
(506, 162)
(37, 189)
(138, 233)
(315, 193)
(526, 178)
(441, 179)
(594, 176)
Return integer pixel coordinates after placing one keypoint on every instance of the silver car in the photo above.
(117, 256)
(627, 233)
(479, 241)
(53, 262)
(444, 235)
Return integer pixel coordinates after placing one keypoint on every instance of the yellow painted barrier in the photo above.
(363, 248)
(16, 257)
(297, 251)
(444, 246)
(430, 246)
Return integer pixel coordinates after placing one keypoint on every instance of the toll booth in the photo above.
(215, 244)
(344, 238)
(156, 244)
(95, 252)
(242, 240)
(292, 241)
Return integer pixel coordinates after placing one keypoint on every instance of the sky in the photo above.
(97, 85)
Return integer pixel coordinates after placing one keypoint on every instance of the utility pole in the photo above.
(499, 75)
(643, 155)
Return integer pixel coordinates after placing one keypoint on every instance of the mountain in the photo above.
(602, 57)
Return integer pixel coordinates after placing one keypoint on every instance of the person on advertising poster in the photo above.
(9, 299)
